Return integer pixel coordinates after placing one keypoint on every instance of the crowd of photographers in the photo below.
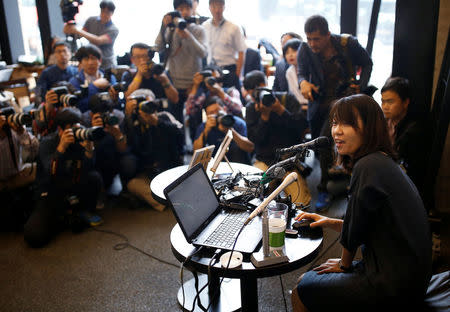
(93, 126)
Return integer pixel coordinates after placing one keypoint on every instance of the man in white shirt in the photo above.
(226, 43)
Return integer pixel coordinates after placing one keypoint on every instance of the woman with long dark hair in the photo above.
(385, 217)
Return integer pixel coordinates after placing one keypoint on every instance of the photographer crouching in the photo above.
(17, 146)
(111, 150)
(68, 185)
(155, 139)
(217, 125)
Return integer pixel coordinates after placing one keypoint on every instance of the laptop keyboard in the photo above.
(225, 234)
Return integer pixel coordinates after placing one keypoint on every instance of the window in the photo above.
(30, 28)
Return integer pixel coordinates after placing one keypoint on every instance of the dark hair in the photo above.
(292, 35)
(254, 79)
(399, 85)
(58, 44)
(177, 3)
(293, 43)
(67, 116)
(213, 100)
(374, 130)
(87, 51)
(316, 22)
(105, 4)
(220, 1)
(139, 45)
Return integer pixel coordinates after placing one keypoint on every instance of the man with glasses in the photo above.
(144, 78)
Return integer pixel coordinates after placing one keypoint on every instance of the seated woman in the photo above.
(406, 128)
(385, 217)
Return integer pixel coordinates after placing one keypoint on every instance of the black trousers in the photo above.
(46, 220)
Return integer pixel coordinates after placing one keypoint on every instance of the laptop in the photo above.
(202, 220)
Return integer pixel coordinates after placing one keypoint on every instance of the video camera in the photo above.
(19, 119)
(69, 8)
(88, 134)
(65, 98)
(102, 103)
(267, 97)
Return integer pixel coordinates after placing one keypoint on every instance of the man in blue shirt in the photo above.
(217, 125)
(55, 73)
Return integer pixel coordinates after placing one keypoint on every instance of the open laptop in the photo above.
(196, 207)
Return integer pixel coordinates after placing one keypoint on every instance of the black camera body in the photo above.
(155, 69)
(120, 86)
(69, 8)
(103, 104)
(225, 120)
(19, 119)
(206, 73)
(213, 80)
(88, 134)
(267, 97)
(150, 107)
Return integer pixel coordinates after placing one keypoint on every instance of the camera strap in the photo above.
(11, 146)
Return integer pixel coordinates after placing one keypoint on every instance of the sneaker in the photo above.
(91, 219)
(323, 201)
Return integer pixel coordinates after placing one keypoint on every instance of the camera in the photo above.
(18, 119)
(346, 89)
(155, 69)
(103, 104)
(206, 73)
(88, 134)
(69, 8)
(120, 86)
(267, 97)
(177, 20)
(64, 97)
(213, 80)
(225, 120)
(150, 107)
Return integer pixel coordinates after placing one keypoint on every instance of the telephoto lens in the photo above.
(156, 69)
(120, 86)
(225, 120)
(68, 100)
(177, 20)
(60, 92)
(19, 119)
(89, 134)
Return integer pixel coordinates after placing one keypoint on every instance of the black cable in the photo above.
(126, 244)
(282, 291)
(188, 258)
(197, 296)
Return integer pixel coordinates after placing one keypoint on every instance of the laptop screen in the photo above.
(193, 200)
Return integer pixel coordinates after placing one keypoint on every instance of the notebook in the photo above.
(202, 220)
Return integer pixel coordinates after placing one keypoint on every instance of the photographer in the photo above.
(67, 181)
(90, 79)
(201, 90)
(217, 125)
(278, 124)
(111, 150)
(18, 148)
(327, 68)
(146, 77)
(61, 95)
(154, 140)
(101, 31)
(187, 48)
(61, 71)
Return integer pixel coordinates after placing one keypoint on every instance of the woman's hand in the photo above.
(322, 221)
(331, 266)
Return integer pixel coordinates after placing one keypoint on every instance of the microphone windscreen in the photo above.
(322, 142)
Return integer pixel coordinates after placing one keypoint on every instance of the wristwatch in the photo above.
(344, 268)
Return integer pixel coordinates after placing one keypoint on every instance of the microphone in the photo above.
(288, 180)
(313, 144)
